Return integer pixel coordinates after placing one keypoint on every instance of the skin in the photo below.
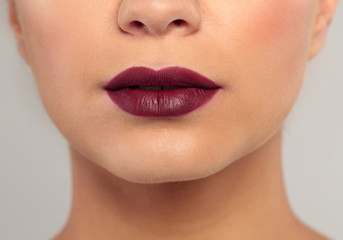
(212, 174)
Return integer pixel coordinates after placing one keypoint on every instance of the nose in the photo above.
(158, 17)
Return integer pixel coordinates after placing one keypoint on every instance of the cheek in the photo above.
(58, 36)
(275, 39)
(265, 45)
(46, 33)
(270, 22)
(276, 35)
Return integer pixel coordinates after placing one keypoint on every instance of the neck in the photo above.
(246, 200)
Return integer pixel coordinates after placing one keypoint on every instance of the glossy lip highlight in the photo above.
(191, 90)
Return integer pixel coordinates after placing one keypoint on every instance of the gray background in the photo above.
(35, 191)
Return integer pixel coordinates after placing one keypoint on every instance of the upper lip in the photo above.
(170, 76)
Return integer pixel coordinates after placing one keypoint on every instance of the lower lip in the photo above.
(163, 103)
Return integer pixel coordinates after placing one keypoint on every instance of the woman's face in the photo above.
(256, 50)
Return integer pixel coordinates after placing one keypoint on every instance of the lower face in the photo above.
(256, 50)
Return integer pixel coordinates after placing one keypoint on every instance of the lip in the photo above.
(184, 91)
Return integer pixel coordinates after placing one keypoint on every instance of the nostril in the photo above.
(179, 22)
(137, 24)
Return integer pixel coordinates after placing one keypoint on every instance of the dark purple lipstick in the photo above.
(171, 91)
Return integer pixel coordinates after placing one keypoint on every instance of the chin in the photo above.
(159, 168)
(155, 176)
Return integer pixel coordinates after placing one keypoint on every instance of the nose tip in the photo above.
(158, 17)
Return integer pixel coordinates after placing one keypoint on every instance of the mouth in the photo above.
(157, 88)
(168, 92)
